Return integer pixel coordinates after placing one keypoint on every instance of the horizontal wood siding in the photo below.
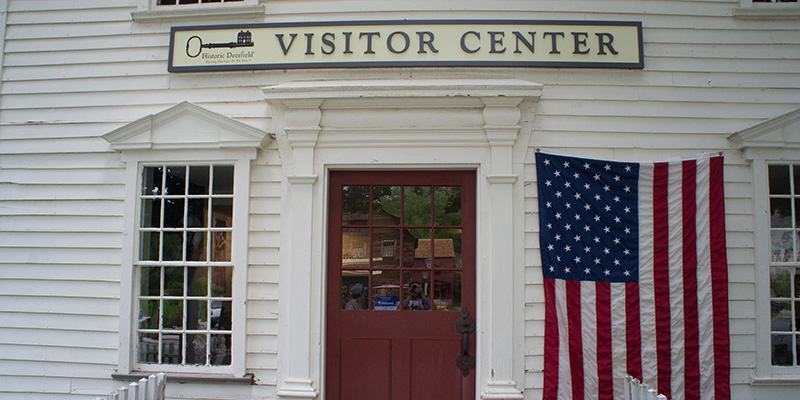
(73, 71)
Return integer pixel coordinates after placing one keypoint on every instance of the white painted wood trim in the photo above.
(148, 12)
(157, 138)
(773, 140)
(392, 89)
(298, 106)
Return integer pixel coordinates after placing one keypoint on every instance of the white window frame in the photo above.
(150, 11)
(758, 10)
(185, 134)
(129, 281)
(775, 141)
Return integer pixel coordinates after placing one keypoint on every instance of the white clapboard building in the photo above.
(274, 199)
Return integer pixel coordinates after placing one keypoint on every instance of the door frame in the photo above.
(494, 118)
(467, 179)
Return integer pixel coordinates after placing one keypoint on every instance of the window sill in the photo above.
(179, 12)
(789, 380)
(774, 11)
(191, 378)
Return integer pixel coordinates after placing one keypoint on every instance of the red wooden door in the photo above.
(401, 267)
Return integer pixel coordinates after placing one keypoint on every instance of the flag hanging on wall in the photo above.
(635, 277)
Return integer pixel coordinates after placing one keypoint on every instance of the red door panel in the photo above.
(401, 267)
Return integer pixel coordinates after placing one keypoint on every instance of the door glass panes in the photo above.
(448, 206)
(385, 247)
(393, 237)
(355, 288)
(385, 290)
(447, 290)
(355, 205)
(355, 247)
(417, 205)
(184, 268)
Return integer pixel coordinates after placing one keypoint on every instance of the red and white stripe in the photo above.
(671, 329)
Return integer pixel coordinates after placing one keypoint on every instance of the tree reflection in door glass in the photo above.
(447, 205)
(386, 205)
(417, 205)
(355, 205)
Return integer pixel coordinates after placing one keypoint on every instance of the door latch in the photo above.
(465, 325)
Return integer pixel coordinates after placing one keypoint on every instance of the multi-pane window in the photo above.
(401, 248)
(784, 208)
(184, 270)
(181, 2)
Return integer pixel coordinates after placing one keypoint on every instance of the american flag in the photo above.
(635, 277)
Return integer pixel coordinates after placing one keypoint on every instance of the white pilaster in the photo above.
(301, 127)
(501, 117)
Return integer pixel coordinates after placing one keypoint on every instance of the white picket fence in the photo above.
(150, 388)
(635, 390)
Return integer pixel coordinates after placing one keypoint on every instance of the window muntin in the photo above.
(784, 209)
(183, 269)
(401, 248)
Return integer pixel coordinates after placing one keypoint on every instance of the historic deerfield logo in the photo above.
(195, 46)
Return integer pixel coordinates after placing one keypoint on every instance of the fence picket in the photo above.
(150, 388)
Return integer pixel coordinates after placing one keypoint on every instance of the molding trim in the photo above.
(769, 12)
(190, 378)
(782, 131)
(501, 178)
(302, 179)
(367, 89)
(200, 12)
(789, 380)
(186, 126)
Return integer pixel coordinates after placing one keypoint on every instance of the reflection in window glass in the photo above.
(782, 350)
(416, 296)
(355, 289)
(417, 205)
(355, 205)
(385, 248)
(779, 179)
(447, 204)
(386, 205)
(355, 247)
(447, 248)
(199, 176)
(408, 230)
(780, 211)
(782, 246)
(386, 290)
(784, 281)
(184, 311)
(447, 291)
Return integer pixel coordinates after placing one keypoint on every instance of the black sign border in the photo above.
(407, 64)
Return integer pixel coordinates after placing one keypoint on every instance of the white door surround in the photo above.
(456, 124)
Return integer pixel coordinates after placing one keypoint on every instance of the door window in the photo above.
(401, 248)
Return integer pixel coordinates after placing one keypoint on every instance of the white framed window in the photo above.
(772, 149)
(163, 10)
(183, 287)
(183, 270)
(784, 270)
(768, 9)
